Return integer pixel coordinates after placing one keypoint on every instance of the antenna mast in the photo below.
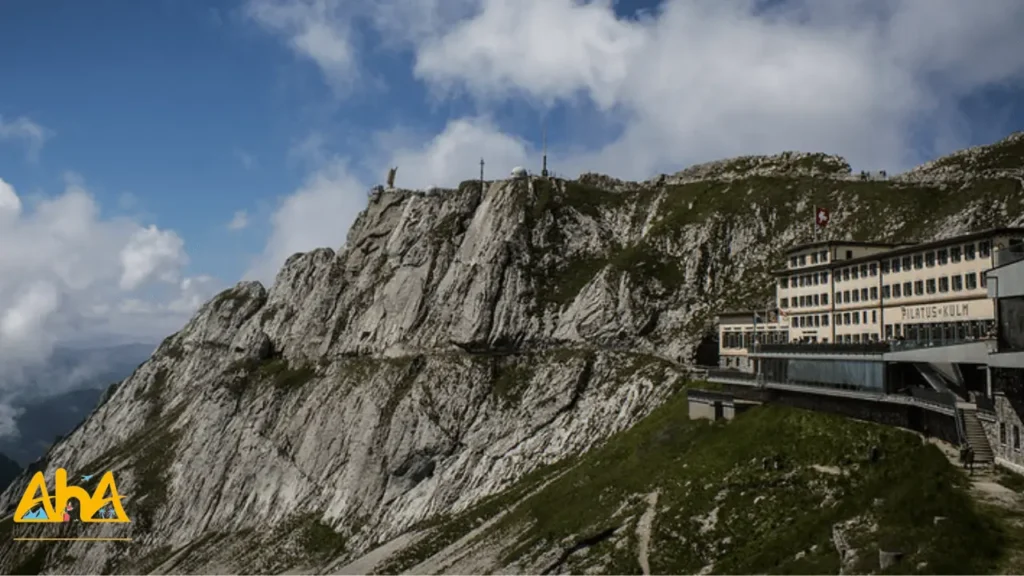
(481, 175)
(544, 139)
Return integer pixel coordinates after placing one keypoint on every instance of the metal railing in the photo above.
(933, 396)
(985, 403)
(903, 345)
(731, 374)
(820, 348)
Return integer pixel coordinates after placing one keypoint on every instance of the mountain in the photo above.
(468, 349)
(81, 375)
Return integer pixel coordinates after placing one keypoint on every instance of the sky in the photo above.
(153, 153)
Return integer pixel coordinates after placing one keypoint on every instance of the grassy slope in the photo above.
(698, 467)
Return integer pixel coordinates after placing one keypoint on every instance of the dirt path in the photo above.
(643, 532)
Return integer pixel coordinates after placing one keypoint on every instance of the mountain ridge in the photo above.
(459, 341)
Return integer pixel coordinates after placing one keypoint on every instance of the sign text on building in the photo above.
(936, 311)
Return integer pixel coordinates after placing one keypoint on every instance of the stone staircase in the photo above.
(977, 438)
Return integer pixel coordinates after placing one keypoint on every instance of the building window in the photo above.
(792, 262)
(824, 299)
(803, 322)
(918, 262)
(856, 296)
(886, 292)
(944, 284)
(784, 303)
(943, 256)
(824, 277)
(846, 296)
(817, 320)
(873, 268)
(929, 259)
(1002, 433)
(803, 260)
(954, 254)
(794, 323)
(874, 316)
(958, 283)
(888, 331)
(849, 254)
(919, 288)
(983, 249)
(971, 280)
(824, 320)
(839, 297)
(896, 291)
(846, 318)
(864, 315)
(814, 279)
(816, 300)
(982, 279)
(874, 292)
(846, 273)
(864, 294)
(814, 258)
(931, 285)
(863, 270)
(854, 273)
(906, 290)
(784, 283)
(856, 338)
(906, 263)
(885, 267)
(856, 318)
(969, 252)
(838, 318)
(895, 264)
(823, 256)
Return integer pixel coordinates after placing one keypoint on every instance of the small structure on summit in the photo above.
(391, 177)
(519, 172)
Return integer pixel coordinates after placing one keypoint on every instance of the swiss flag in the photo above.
(821, 217)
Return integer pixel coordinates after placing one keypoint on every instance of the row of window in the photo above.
(941, 285)
(930, 259)
(746, 339)
(816, 258)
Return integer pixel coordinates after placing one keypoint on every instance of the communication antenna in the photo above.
(544, 140)
(481, 175)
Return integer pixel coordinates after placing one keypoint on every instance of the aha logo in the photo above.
(103, 505)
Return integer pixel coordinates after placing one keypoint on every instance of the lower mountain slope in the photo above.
(778, 490)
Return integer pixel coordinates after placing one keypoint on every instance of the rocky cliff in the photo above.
(459, 342)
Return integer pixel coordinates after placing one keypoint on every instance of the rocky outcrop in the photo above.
(460, 340)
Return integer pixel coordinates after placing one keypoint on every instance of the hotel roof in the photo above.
(898, 250)
(829, 243)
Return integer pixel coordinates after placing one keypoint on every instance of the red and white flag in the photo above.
(821, 217)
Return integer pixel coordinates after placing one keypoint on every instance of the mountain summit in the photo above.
(461, 341)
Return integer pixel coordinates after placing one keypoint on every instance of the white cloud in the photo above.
(318, 214)
(65, 274)
(319, 30)
(876, 81)
(239, 221)
(22, 129)
(151, 254)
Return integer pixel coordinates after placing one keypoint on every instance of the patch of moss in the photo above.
(319, 540)
(510, 378)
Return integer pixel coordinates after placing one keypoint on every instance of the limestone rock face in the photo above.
(459, 341)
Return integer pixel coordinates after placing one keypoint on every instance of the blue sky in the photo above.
(170, 117)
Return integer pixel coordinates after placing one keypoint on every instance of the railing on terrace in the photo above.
(821, 348)
(732, 374)
(903, 345)
(710, 395)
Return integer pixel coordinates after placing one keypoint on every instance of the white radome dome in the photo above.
(518, 172)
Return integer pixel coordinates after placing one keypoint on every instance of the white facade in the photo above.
(862, 292)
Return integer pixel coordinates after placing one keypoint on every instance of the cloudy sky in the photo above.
(154, 152)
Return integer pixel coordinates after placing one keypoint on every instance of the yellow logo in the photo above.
(103, 505)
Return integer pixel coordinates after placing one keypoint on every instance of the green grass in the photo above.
(1010, 479)
(278, 372)
(692, 463)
